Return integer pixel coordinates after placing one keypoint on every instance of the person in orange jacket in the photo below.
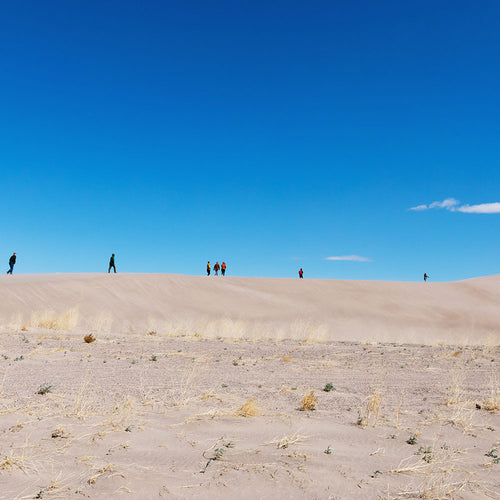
(223, 269)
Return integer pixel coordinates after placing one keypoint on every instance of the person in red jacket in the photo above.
(216, 268)
(301, 273)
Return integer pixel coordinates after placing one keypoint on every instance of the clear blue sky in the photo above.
(272, 135)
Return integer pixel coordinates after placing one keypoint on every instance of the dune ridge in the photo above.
(465, 312)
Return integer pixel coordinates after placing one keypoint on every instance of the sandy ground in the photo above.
(149, 410)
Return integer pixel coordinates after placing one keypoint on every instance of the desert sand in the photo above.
(168, 386)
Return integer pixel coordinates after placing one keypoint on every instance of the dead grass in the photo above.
(49, 320)
(249, 409)
(371, 412)
(309, 402)
(286, 441)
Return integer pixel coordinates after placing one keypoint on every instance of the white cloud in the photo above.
(449, 204)
(355, 258)
(454, 206)
(483, 208)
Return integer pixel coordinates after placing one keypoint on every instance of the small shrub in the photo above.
(154, 357)
(328, 387)
(89, 338)
(412, 439)
(44, 389)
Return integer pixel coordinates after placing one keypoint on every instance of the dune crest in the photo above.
(465, 312)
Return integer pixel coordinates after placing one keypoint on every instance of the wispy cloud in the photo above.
(355, 258)
(454, 206)
(449, 204)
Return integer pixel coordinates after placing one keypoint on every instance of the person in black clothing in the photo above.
(426, 276)
(12, 261)
(112, 263)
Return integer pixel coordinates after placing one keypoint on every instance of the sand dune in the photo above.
(207, 407)
(465, 312)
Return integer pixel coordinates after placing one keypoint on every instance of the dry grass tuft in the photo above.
(24, 329)
(59, 432)
(286, 441)
(309, 402)
(89, 338)
(249, 409)
(492, 404)
(286, 358)
(371, 411)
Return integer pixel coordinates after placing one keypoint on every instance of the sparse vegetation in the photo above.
(249, 409)
(412, 439)
(45, 388)
(309, 402)
(328, 387)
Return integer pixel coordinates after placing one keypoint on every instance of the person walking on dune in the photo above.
(12, 262)
(223, 268)
(426, 276)
(216, 268)
(112, 263)
(208, 268)
(301, 273)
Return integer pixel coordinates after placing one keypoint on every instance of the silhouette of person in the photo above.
(12, 262)
(216, 268)
(223, 268)
(112, 263)
(208, 268)
(301, 273)
(426, 276)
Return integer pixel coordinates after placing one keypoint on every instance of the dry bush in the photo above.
(89, 338)
(249, 409)
(24, 329)
(309, 402)
(286, 358)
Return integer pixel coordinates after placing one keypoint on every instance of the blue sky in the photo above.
(271, 135)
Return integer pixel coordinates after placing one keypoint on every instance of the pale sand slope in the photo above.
(465, 312)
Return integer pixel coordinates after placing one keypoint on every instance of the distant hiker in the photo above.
(426, 276)
(216, 268)
(301, 273)
(208, 268)
(12, 261)
(223, 268)
(112, 263)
